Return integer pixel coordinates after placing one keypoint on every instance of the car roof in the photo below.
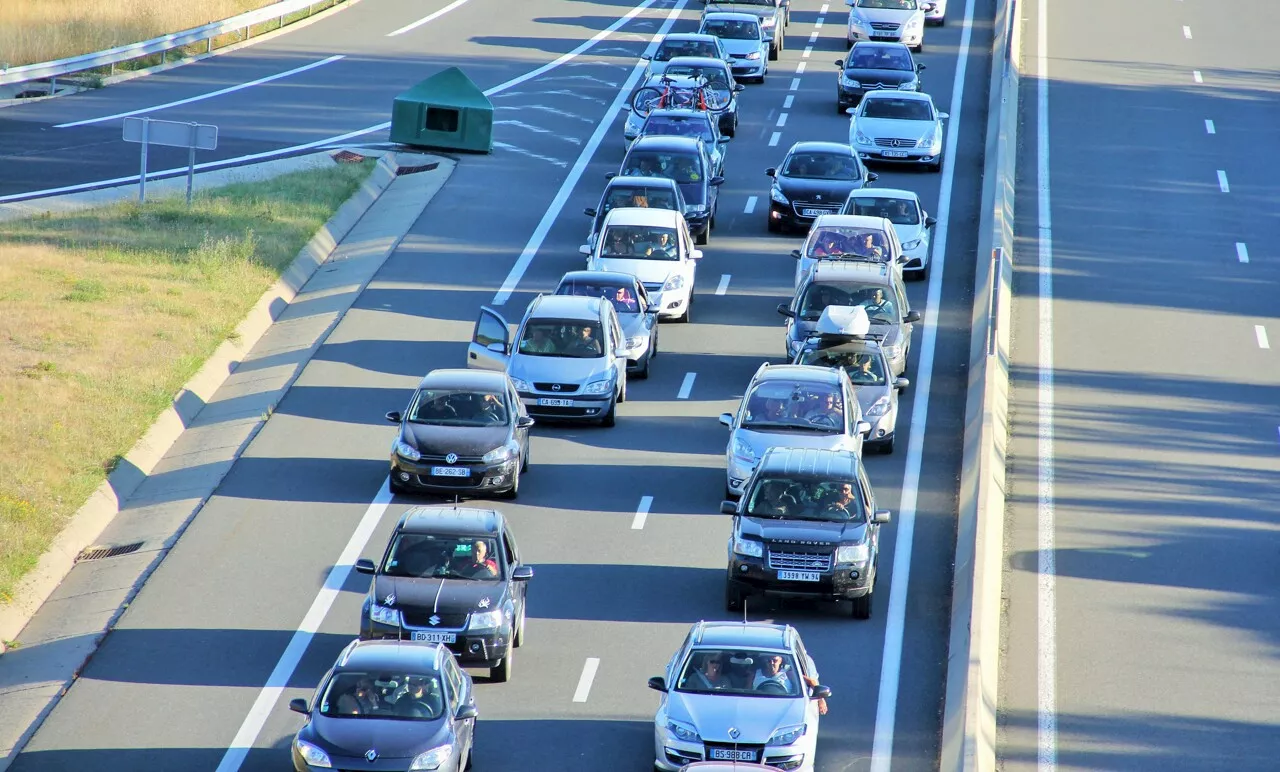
(830, 270)
(883, 193)
(452, 520)
(463, 378)
(573, 307)
(666, 142)
(641, 182)
(680, 112)
(817, 146)
(851, 221)
(732, 635)
(918, 96)
(810, 462)
(807, 373)
(696, 36)
(640, 215)
(697, 61)
(390, 655)
(731, 16)
(599, 277)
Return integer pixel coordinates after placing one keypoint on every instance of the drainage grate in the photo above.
(415, 169)
(100, 552)
(347, 157)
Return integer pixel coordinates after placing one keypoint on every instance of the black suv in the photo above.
(450, 575)
(687, 161)
(806, 527)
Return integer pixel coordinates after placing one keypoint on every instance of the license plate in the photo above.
(799, 576)
(450, 471)
(813, 212)
(428, 637)
(548, 402)
(894, 153)
(729, 754)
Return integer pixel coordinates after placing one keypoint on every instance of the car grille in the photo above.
(878, 86)
(422, 618)
(428, 458)
(756, 750)
(737, 56)
(892, 142)
(563, 388)
(799, 561)
(434, 481)
(884, 26)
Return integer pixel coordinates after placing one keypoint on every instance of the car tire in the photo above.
(862, 606)
(702, 238)
(936, 166)
(732, 597)
(513, 492)
(524, 457)
(643, 373)
(919, 48)
(840, 108)
(654, 355)
(885, 447)
(848, 44)
(610, 418)
(687, 316)
(622, 393)
(470, 753)
(773, 52)
(922, 274)
(502, 673)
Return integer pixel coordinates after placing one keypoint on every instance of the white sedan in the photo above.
(911, 222)
(897, 127)
(653, 245)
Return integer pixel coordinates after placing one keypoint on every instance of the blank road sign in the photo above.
(201, 136)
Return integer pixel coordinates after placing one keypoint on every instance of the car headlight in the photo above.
(311, 754)
(862, 139)
(602, 386)
(916, 22)
(751, 549)
(754, 55)
(433, 758)
(498, 454)
(787, 735)
(695, 208)
(893, 352)
(908, 86)
(383, 615)
(853, 553)
(521, 384)
(683, 731)
(405, 450)
(879, 407)
(486, 620)
(743, 451)
(775, 193)
(849, 82)
(636, 342)
(928, 140)
(912, 244)
(857, 21)
(674, 282)
(768, 22)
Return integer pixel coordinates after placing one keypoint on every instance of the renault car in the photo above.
(744, 39)
(899, 21)
(911, 223)
(653, 245)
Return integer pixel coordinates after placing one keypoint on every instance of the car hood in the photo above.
(647, 271)
(761, 11)
(770, 530)
(463, 440)
(831, 191)
(756, 718)
(894, 15)
(390, 738)
(868, 394)
(740, 46)
(452, 595)
(634, 325)
(556, 369)
(760, 441)
(909, 232)
(894, 127)
(874, 75)
(693, 192)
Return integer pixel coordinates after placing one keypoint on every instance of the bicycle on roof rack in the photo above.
(671, 95)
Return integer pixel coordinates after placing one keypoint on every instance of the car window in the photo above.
(622, 296)
(829, 241)
(799, 499)
(900, 109)
(821, 166)
(512, 556)
(670, 49)
(553, 338)
(867, 494)
(731, 29)
(697, 125)
(427, 556)
(791, 405)
(903, 304)
(681, 167)
(879, 304)
(640, 242)
(458, 407)
(865, 368)
(457, 685)
(893, 5)
(899, 211)
(739, 672)
(716, 77)
(878, 58)
(490, 330)
(383, 695)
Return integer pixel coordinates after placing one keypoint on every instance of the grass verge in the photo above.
(105, 313)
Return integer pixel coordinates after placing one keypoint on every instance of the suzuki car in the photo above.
(911, 223)
(744, 39)
(653, 245)
(898, 127)
(899, 21)
(637, 313)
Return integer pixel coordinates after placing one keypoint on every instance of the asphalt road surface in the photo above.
(1143, 617)
(173, 684)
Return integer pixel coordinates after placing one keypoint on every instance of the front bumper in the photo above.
(588, 407)
(913, 38)
(479, 648)
(672, 754)
(915, 156)
(737, 474)
(750, 576)
(637, 357)
(917, 259)
(882, 427)
(482, 478)
(698, 222)
(789, 215)
(747, 68)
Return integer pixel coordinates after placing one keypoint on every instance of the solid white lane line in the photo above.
(687, 386)
(723, 287)
(584, 158)
(1195, 75)
(782, 120)
(584, 683)
(807, 50)
(800, 68)
(1046, 515)
(283, 671)
(426, 19)
(1209, 127)
(1186, 32)
(642, 512)
(786, 103)
(795, 84)
(904, 538)
(1260, 333)
(1242, 252)
(773, 140)
(1222, 182)
(201, 97)
(751, 205)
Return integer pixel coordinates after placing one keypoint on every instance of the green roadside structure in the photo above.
(446, 111)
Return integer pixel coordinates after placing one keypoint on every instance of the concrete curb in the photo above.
(973, 663)
(104, 503)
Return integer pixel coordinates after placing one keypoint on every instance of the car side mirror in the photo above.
(658, 684)
(584, 250)
(610, 175)
(722, 140)
(901, 384)
(872, 176)
(395, 417)
(921, 68)
(771, 172)
(795, 253)
(716, 181)
(850, 110)
(589, 212)
(787, 312)
(943, 116)
(911, 317)
(497, 347)
(738, 87)
(726, 419)
(467, 711)
(299, 705)
(840, 63)
(728, 507)
(364, 566)
(645, 57)
(929, 222)
(881, 517)
(863, 428)
(522, 573)
(696, 254)
(820, 692)
(524, 422)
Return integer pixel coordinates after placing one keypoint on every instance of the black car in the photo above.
(450, 575)
(805, 527)
(388, 706)
(464, 431)
(653, 192)
(872, 66)
(685, 160)
(814, 179)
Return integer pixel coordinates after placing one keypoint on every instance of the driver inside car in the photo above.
(478, 564)
(771, 675)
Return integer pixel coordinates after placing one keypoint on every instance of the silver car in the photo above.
(793, 406)
(743, 38)
(767, 10)
(898, 127)
(738, 692)
(637, 312)
(901, 21)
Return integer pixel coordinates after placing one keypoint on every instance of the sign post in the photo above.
(193, 136)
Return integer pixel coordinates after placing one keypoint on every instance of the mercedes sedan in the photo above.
(898, 127)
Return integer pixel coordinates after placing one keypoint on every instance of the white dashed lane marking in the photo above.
(795, 84)
(1186, 32)
(1222, 182)
(773, 141)
(1242, 252)
(807, 50)
(642, 512)
(1209, 127)
(1260, 333)
(751, 205)
(724, 284)
(786, 103)
(687, 386)
(782, 120)
(800, 68)
(588, 675)
(1195, 75)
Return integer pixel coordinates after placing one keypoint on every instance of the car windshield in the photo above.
(899, 211)
(892, 5)
(427, 556)
(878, 59)
(740, 673)
(873, 298)
(554, 338)
(715, 77)
(670, 49)
(848, 241)
(623, 296)
(728, 29)
(681, 167)
(822, 166)
(900, 109)
(765, 3)
(792, 499)
(639, 197)
(864, 368)
(396, 696)
(458, 407)
(679, 126)
(640, 242)
(794, 405)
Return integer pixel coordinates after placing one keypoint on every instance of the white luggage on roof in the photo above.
(843, 320)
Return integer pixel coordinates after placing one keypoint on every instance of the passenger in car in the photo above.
(584, 343)
(710, 676)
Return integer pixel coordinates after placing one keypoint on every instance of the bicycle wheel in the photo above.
(717, 100)
(646, 100)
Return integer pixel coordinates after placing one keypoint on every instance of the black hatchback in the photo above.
(813, 179)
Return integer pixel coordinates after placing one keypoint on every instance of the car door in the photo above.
(617, 344)
(708, 175)
(809, 668)
(460, 696)
(869, 500)
(490, 346)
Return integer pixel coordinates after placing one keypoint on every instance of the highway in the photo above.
(1143, 618)
(175, 683)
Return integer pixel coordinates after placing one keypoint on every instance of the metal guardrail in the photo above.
(113, 56)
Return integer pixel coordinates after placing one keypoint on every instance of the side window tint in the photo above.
(489, 330)
(457, 687)
(512, 557)
(865, 485)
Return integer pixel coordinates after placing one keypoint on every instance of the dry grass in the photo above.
(43, 30)
(105, 314)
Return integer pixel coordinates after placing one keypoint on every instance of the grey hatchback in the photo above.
(637, 313)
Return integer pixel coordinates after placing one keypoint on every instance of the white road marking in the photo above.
(201, 97)
(1209, 127)
(895, 616)
(786, 103)
(530, 154)
(687, 386)
(555, 92)
(1222, 182)
(800, 68)
(723, 286)
(1186, 32)
(823, 10)
(807, 51)
(1046, 515)
(642, 512)
(817, 25)
(795, 84)
(538, 130)
(587, 78)
(814, 37)
(782, 120)
(751, 205)
(1242, 252)
(773, 140)
(556, 111)
(1260, 333)
(584, 683)
(426, 19)
(283, 671)
(1195, 75)
(570, 182)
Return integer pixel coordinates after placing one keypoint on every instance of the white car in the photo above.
(655, 246)
(897, 127)
(744, 39)
(911, 222)
(846, 237)
(898, 21)
(935, 12)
